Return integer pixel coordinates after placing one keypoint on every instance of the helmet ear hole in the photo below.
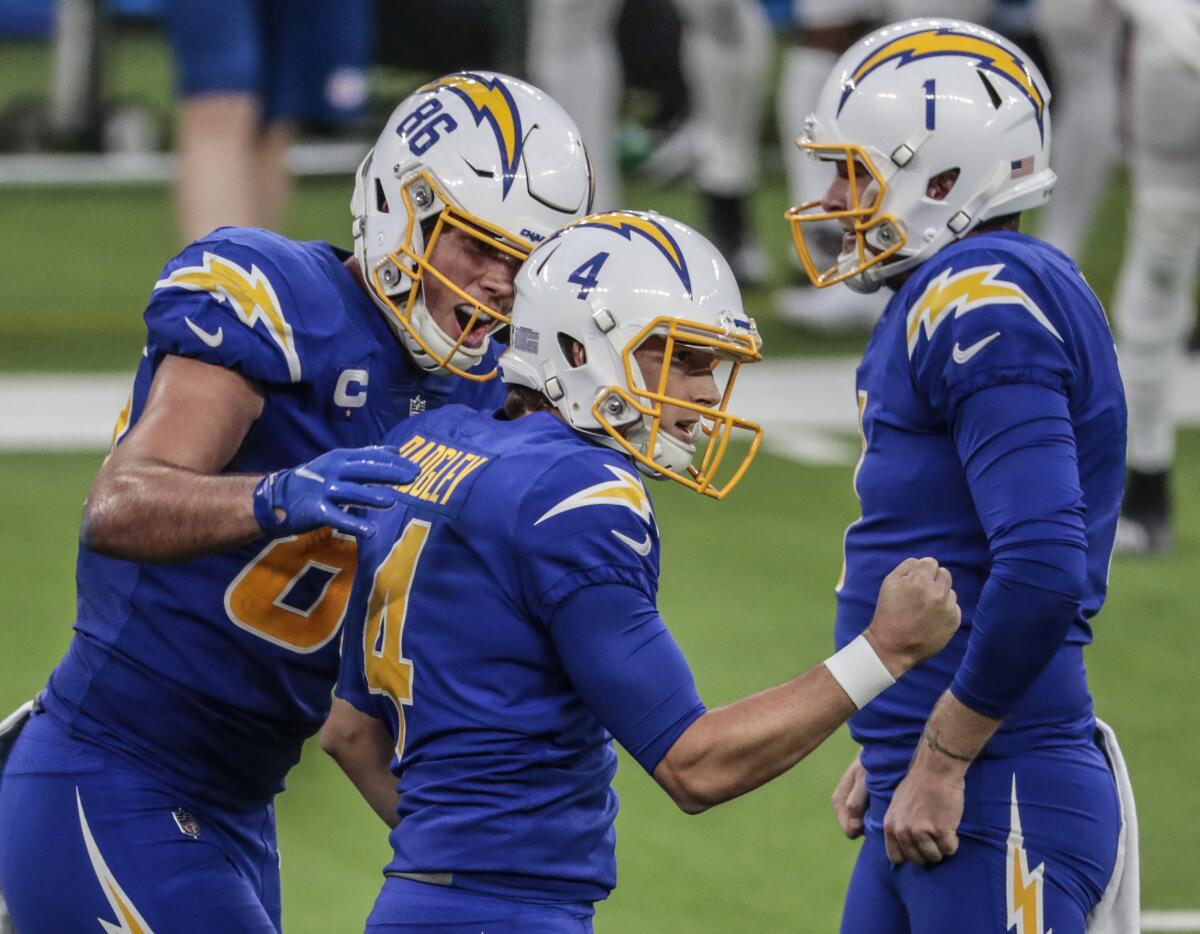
(942, 183)
(572, 350)
(381, 202)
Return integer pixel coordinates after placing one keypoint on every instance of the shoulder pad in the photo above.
(955, 292)
(241, 288)
(623, 489)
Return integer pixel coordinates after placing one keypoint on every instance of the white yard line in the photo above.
(140, 168)
(806, 406)
(1180, 921)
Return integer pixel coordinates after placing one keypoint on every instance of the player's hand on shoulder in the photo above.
(915, 616)
(314, 494)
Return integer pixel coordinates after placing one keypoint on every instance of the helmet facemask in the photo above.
(877, 235)
(909, 104)
(397, 281)
(632, 416)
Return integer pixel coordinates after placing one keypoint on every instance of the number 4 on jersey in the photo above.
(387, 671)
(585, 275)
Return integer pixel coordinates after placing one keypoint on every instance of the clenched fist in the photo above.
(916, 614)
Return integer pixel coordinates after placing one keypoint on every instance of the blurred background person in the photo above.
(725, 53)
(248, 71)
(1156, 293)
(1083, 41)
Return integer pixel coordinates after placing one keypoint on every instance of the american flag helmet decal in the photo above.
(1022, 167)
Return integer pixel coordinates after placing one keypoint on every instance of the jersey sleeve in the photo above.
(351, 683)
(587, 520)
(982, 321)
(228, 302)
(622, 660)
(1017, 446)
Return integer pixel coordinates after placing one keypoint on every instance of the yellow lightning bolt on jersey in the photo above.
(962, 292)
(129, 919)
(932, 42)
(626, 490)
(1024, 887)
(249, 294)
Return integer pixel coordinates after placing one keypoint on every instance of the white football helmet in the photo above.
(483, 153)
(608, 283)
(905, 104)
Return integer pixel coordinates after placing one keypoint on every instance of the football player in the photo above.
(140, 793)
(725, 55)
(1156, 293)
(993, 425)
(503, 626)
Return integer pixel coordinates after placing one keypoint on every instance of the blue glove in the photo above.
(313, 494)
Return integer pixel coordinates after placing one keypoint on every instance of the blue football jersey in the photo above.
(991, 310)
(504, 771)
(213, 671)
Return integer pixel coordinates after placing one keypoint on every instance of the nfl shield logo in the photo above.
(416, 405)
(186, 823)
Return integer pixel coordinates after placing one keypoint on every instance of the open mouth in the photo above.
(477, 333)
(687, 433)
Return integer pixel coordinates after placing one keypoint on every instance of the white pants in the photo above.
(1155, 299)
(726, 52)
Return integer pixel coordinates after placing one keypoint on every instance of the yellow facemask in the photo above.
(864, 217)
(717, 423)
(404, 259)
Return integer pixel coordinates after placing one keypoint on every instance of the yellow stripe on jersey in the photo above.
(122, 424)
(249, 294)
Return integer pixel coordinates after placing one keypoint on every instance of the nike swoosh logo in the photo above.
(642, 548)
(213, 339)
(962, 356)
(309, 474)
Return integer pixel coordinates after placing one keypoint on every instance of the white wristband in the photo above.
(860, 672)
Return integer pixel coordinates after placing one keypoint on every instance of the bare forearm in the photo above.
(375, 784)
(363, 748)
(157, 512)
(734, 749)
(954, 733)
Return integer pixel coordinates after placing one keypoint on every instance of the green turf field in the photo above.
(75, 278)
(747, 589)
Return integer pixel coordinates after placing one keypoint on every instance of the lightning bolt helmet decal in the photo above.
(627, 223)
(928, 43)
(489, 100)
